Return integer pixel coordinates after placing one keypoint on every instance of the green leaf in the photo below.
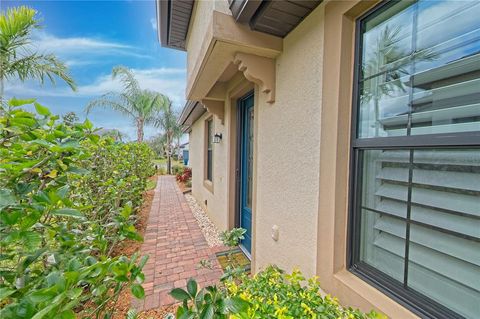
(100, 290)
(31, 259)
(74, 293)
(23, 121)
(18, 102)
(235, 305)
(55, 303)
(180, 311)
(68, 212)
(5, 292)
(143, 261)
(10, 218)
(30, 239)
(42, 110)
(41, 143)
(126, 211)
(192, 287)
(137, 291)
(88, 125)
(43, 295)
(62, 192)
(78, 170)
(188, 315)
(67, 314)
(207, 312)
(179, 294)
(6, 198)
(41, 197)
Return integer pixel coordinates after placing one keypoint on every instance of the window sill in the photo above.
(370, 294)
(208, 185)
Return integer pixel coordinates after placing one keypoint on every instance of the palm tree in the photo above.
(177, 135)
(17, 60)
(167, 121)
(143, 106)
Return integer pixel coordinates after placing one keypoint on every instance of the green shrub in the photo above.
(209, 302)
(278, 295)
(67, 198)
(162, 171)
(270, 294)
(176, 169)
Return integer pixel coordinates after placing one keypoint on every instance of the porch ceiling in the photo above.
(277, 17)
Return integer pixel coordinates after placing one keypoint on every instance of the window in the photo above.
(415, 213)
(209, 150)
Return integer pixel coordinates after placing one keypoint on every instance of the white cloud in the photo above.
(153, 22)
(81, 46)
(169, 81)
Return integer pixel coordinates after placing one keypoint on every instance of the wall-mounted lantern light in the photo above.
(217, 137)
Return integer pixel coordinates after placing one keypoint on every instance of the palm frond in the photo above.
(16, 26)
(39, 67)
(111, 101)
(130, 84)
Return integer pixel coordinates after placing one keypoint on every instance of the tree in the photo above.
(142, 106)
(177, 135)
(70, 118)
(159, 144)
(17, 59)
(167, 121)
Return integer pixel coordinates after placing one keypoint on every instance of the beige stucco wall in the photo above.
(216, 206)
(287, 146)
(288, 153)
(200, 27)
(301, 153)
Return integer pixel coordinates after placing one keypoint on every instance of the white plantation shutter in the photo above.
(446, 199)
(417, 204)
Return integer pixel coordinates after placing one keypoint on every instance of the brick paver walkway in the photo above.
(176, 245)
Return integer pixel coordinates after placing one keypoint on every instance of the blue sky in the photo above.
(92, 37)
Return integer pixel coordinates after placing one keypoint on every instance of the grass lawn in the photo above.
(163, 161)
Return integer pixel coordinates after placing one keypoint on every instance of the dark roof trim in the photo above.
(244, 10)
(277, 17)
(190, 113)
(173, 19)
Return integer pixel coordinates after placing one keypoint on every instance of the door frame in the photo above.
(238, 163)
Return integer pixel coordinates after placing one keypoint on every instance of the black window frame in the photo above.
(209, 150)
(418, 303)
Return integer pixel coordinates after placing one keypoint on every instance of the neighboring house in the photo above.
(345, 137)
(184, 153)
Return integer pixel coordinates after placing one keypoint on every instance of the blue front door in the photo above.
(246, 169)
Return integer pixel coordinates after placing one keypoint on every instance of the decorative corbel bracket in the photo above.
(259, 70)
(215, 107)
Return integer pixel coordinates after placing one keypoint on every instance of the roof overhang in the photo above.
(190, 113)
(173, 18)
(277, 17)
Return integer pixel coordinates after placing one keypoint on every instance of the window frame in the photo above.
(208, 178)
(407, 297)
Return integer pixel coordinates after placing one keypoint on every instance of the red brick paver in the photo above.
(176, 245)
